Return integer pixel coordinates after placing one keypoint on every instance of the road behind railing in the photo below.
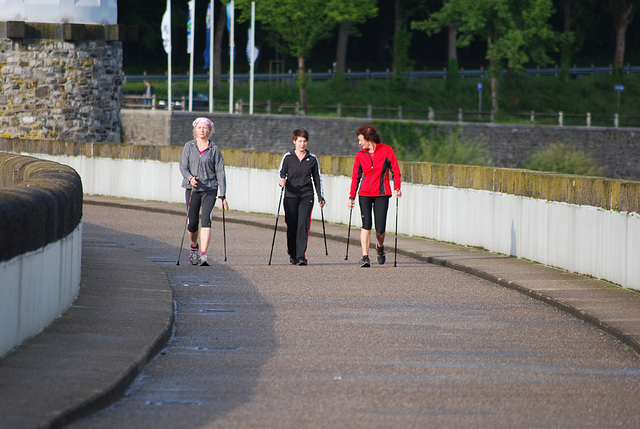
(387, 74)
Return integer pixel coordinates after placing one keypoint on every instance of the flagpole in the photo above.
(211, 45)
(231, 56)
(191, 29)
(252, 56)
(169, 60)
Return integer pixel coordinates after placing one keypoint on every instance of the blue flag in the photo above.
(229, 13)
(208, 42)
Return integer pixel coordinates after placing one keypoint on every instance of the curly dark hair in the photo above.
(300, 132)
(369, 133)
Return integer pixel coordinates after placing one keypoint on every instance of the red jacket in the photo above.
(371, 172)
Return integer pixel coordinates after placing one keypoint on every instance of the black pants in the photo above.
(380, 207)
(297, 215)
(206, 200)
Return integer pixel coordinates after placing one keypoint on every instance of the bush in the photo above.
(559, 158)
(424, 143)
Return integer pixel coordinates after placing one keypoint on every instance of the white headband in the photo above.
(202, 119)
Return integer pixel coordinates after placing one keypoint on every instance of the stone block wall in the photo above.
(60, 82)
(146, 127)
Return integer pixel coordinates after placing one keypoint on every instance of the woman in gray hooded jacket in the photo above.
(202, 169)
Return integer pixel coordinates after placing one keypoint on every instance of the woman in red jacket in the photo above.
(371, 170)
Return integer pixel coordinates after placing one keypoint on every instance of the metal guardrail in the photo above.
(481, 73)
(401, 113)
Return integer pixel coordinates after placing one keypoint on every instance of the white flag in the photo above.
(190, 20)
(166, 30)
(255, 50)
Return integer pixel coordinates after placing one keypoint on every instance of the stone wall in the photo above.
(60, 81)
(616, 150)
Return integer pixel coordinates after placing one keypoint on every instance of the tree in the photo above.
(341, 47)
(217, 45)
(402, 11)
(302, 23)
(516, 32)
(574, 26)
(622, 11)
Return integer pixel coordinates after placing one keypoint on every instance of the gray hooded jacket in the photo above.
(208, 167)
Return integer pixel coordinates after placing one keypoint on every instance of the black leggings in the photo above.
(380, 206)
(297, 215)
(204, 199)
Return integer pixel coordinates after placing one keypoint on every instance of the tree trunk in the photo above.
(453, 34)
(397, 27)
(341, 49)
(623, 19)
(494, 94)
(302, 84)
(566, 16)
(494, 73)
(217, 48)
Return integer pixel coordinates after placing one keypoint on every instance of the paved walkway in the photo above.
(86, 359)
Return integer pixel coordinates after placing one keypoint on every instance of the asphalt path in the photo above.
(333, 345)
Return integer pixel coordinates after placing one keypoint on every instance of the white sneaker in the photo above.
(194, 257)
(204, 262)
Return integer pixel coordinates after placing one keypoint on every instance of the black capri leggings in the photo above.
(206, 200)
(380, 206)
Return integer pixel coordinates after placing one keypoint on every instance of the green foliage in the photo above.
(559, 158)
(403, 60)
(516, 31)
(520, 94)
(302, 23)
(423, 143)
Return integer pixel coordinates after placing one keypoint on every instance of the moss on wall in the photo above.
(608, 194)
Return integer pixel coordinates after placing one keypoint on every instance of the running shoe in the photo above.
(293, 260)
(365, 261)
(204, 262)
(302, 261)
(194, 256)
(382, 255)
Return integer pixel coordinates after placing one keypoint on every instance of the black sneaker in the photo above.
(302, 261)
(365, 261)
(382, 255)
(293, 260)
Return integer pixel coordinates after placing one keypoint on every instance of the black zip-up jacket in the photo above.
(302, 176)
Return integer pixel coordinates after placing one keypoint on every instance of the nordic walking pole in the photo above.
(186, 221)
(326, 252)
(395, 252)
(346, 256)
(276, 228)
(224, 232)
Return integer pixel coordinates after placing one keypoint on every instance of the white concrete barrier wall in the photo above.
(37, 287)
(587, 240)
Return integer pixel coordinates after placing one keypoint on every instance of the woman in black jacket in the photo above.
(299, 173)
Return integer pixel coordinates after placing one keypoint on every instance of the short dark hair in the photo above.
(369, 133)
(300, 132)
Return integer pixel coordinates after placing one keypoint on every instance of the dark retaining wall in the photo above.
(617, 150)
(40, 203)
